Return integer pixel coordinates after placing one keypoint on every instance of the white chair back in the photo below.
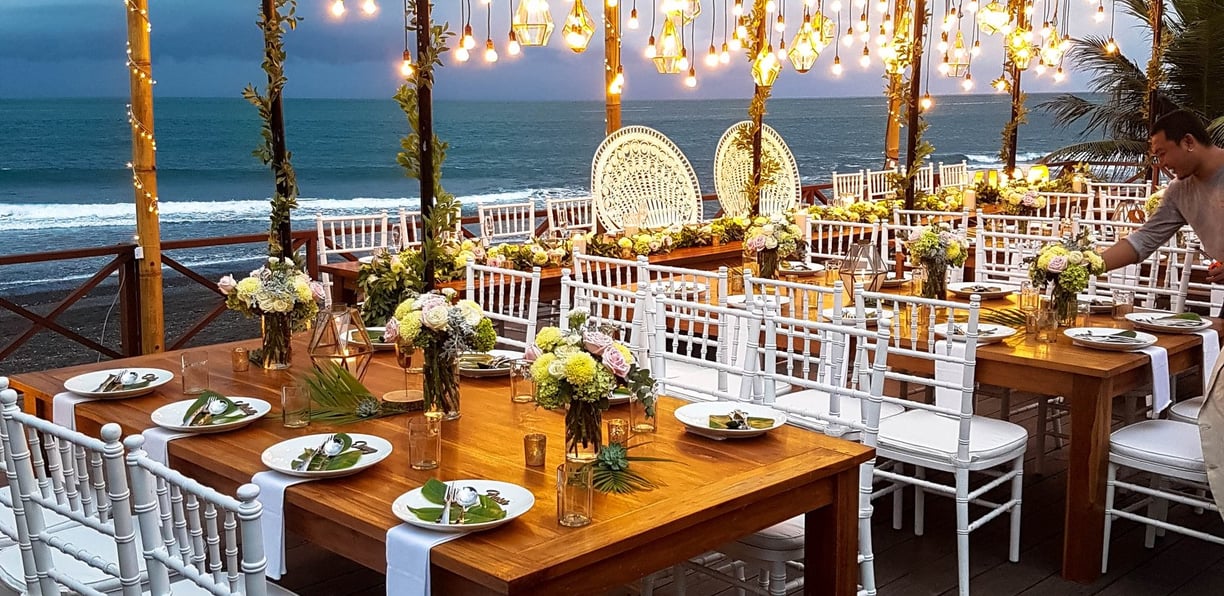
(350, 236)
(831, 240)
(576, 213)
(639, 171)
(1162, 281)
(411, 230)
(609, 272)
(56, 471)
(697, 285)
(880, 184)
(956, 174)
(1000, 256)
(1065, 204)
(849, 186)
(194, 532)
(1018, 224)
(1137, 190)
(924, 180)
(619, 311)
(733, 170)
(1117, 207)
(688, 336)
(508, 297)
(894, 236)
(500, 222)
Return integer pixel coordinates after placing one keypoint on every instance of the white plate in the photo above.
(520, 502)
(848, 315)
(1151, 322)
(85, 384)
(800, 268)
(280, 456)
(170, 416)
(696, 418)
(966, 289)
(892, 281)
(679, 289)
(739, 300)
(477, 373)
(987, 333)
(619, 398)
(374, 333)
(1099, 303)
(366, 259)
(1147, 339)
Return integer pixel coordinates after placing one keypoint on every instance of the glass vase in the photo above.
(441, 382)
(642, 415)
(1064, 305)
(412, 360)
(575, 492)
(767, 263)
(583, 432)
(935, 280)
(277, 352)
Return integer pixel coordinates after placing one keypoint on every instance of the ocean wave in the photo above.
(91, 215)
(1024, 157)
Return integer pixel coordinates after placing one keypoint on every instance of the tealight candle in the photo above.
(578, 242)
(970, 200)
(534, 447)
(618, 430)
(240, 360)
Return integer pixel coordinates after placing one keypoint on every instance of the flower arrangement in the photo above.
(524, 257)
(935, 247)
(729, 228)
(1019, 199)
(444, 327)
(644, 243)
(770, 239)
(948, 198)
(578, 369)
(283, 295)
(1063, 268)
(858, 211)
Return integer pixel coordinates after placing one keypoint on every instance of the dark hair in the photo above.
(1177, 124)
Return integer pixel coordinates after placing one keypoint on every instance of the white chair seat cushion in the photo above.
(1163, 442)
(12, 573)
(53, 520)
(185, 587)
(812, 401)
(702, 382)
(785, 536)
(930, 434)
(1187, 411)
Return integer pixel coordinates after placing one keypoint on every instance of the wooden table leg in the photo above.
(831, 542)
(1091, 421)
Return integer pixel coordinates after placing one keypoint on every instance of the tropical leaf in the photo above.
(339, 398)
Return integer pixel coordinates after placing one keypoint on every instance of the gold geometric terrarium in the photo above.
(340, 337)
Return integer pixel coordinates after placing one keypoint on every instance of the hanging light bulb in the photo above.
(1045, 29)
(513, 47)
(579, 28)
(782, 50)
(738, 8)
(780, 24)
(836, 69)
(369, 7)
(711, 58)
(976, 50)
(468, 41)
(734, 45)
(1000, 84)
(944, 67)
(1111, 46)
(1040, 69)
(633, 20)
(926, 102)
(337, 8)
(1100, 14)
(490, 53)
(865, 59)
(967, 84)
(771, 6)
(848, 38)
(691, 80)
(683, 62)
(971, 6)
(741, 32)
(835, 6)
(619, 79)
(650, 48)
(461, 54)
(724, 56)
(533, 23)
(942, 46)
(1059, 75)
(882, 6)
(406, 67)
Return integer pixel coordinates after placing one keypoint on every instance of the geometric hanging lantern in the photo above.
(958, 62)
(1052, 50)
(993, 18)
(579, 28)
(533, 23)
(1020, 48)
(687, 10)
(668, 49)
(766, 67)
(803, 52)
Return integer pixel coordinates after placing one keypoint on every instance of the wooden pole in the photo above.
(1154, 86)
(892, 128)
(757, 117)
(425, 134)
(1013, 137)
(912, 108)
(284, 187)
(144, 178)
(612, 61)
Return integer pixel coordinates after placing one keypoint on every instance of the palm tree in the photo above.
(1189, 75)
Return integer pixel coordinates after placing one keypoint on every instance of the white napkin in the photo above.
(1161, 383)
(949, 372)
(157, 440)
(63, 408)
(1211, 351)
(272, 487)
(408, 558)
(1217, 297)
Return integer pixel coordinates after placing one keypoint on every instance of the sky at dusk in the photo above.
(212, 48)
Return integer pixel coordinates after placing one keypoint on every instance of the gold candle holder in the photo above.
(534, 447)
(618, 430)
(240, 360)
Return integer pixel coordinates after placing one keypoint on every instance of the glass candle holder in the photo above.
(618, 430)
(534, 446)
(522, 386)
(574, 494)
(240, 360)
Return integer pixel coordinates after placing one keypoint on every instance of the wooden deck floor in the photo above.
(909, 565)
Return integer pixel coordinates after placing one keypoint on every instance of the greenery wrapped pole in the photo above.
(425, 134)
(280, 241)
(759, 94)
(912, 107)
(612, 62)
(892, 129)
(1011, 131)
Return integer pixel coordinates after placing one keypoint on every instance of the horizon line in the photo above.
(518, 100)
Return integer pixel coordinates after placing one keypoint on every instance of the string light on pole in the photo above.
(407, 70)
(143, 74)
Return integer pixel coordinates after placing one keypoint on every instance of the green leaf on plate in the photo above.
(1126, 334)
(434, 492)
(1186, 316)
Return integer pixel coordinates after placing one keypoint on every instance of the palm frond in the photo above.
(1103, 150)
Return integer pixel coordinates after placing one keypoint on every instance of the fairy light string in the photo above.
(142, 72)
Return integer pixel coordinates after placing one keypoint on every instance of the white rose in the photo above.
(472, 314)
(436, 318)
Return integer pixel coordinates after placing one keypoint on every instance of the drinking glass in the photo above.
(424, 442)
(195, 372)
(295, 406)
(917, 279)
(522, 386)
(574, 492)
(1123, 303)
(832, 271)
(1030, 302)
(1047, 324)
(1083, 311)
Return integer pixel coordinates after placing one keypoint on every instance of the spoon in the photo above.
(333, 447)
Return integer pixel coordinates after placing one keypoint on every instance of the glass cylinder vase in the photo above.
(277, 352)
(583, 432)
(1064, 305)
(642, 415)
(934, 280)
(441, 382)
(575, 492)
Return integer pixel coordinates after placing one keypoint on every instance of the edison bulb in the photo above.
(865, 60)
(513, 47)
(926, 103)
(461, 54)
(724, 57)
(1100, 14)
(691, 80)
(1040, 69)
(967, 84)
(337, 8)
(738, 8)
(972, 6)
(468, 41)
(369, 7)
(711, 58)
(734, 45)
(650, 49)
(682, 62)
(771, 6)
(1111, 46)
(490, 53)
(780, 25)
(741, 32)
(836, 69)
(406, 68)
(1059, 75)
(633, 19)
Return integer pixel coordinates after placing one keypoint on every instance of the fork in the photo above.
(452, 492)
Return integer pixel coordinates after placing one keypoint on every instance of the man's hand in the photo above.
(1215, 272)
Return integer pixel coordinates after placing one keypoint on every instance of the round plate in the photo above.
(696, 418)
(170, 416)
(375, 333)
(739, 300)
(618, 398)
(479, 373)
(680, 290)
(987, 290)
(801, 269)
(892, 281)
(365, 259)
(1083, 336)
(520, 502)
(987, 333)
(848, 315)
(1100, 304)
(1152, 322)
(280, 456)
(85, 384)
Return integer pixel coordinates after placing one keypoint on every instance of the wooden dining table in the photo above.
(712, 493)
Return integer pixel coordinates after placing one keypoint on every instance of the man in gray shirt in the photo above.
(1180, 143)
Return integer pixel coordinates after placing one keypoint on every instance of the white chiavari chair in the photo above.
(852, 186)
(691, 354)
(698, 285)
(924, 179)
(956, 174)
(1065, 204)
(807, 354)
(894, 236)
(510, 298)
(946, 435)
(609, 272)
(1140, 190)
(999, 256)
(577, 213)
(411, 230)
(880, 184)
(619, 310)
(831, 240)
(1161, 281)
(195, 534)
(500, 222)
(1119, 208)
(349, 236)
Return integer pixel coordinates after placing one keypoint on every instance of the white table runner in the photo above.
(408, 558)
(1211, 352)
(1161, 383)
(157, 440)
(63, 408)
(272, 487)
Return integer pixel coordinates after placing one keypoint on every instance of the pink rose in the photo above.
(597, 343)
(227, 284)
(318, 291)
(615, 361)
(532, 352)
(1057, 264)
(391, 330)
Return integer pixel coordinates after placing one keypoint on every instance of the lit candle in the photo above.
(970, 200)
(993, 179)
(618, 430)
(801, 220)
(578, 242)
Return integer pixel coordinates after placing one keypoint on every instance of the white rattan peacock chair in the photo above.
(639, 174)
(733, 168)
